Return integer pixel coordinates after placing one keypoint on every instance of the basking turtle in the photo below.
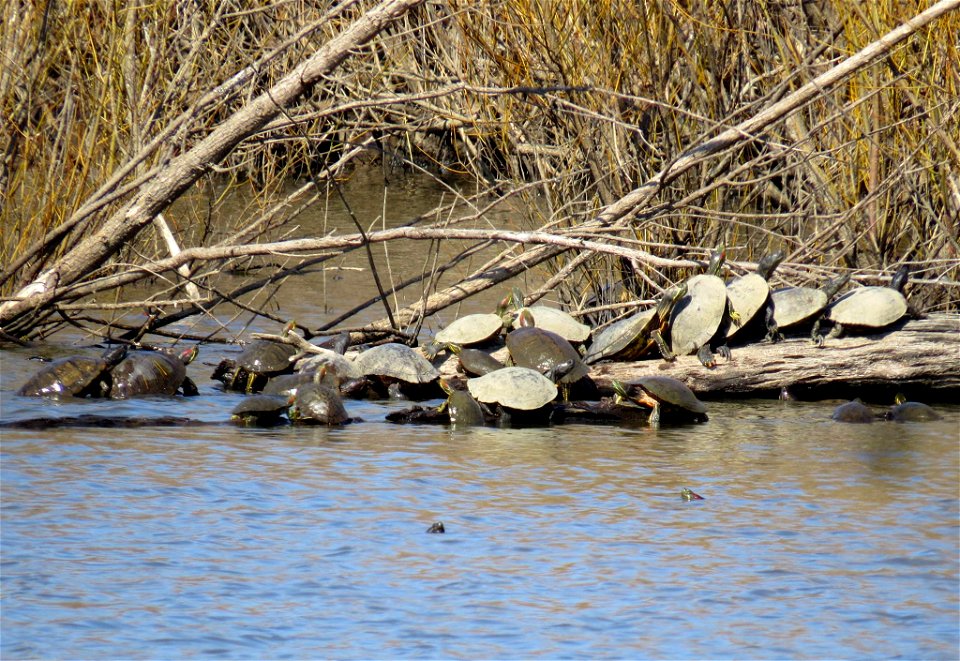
(395, 365)
(545, 352)
(795, 307)
(633, 337)
(669, 398)
(867, 308)
(854, 411)
(76, 376)
(461, 407)
(257, 363)
(319, 402)
(475, 362)
(749, 294)
(905, 411)
(466, 331)
(153, 373)
(260, 410)
(516, 391)
(701, 318)
(554, 320)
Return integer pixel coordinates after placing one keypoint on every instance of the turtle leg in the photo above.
(724, 350)
(815, 335)
(705, 356)
(773, 330)
(655, 415)
(662, 345)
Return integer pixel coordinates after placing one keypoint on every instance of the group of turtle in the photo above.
(548, 353)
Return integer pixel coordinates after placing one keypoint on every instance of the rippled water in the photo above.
(815, 539)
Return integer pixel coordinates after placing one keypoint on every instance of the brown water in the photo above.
(816, 539)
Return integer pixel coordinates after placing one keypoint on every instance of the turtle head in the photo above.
(446, 386)
(289, 327)
(327, 375)
(619, 391)
(525, 318)
(899, 279)
(670, 298)
(189, 355)
(717, 258)
(835, 285)
(769, 263)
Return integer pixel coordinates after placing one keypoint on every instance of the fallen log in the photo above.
(920, 358)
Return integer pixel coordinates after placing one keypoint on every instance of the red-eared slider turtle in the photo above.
(260, 410)
(554, 320)
(475, 362)
(867, 309)
(795, 307)
(515, 389)
(855, 411)
(463, 409)
(76, 376)
(905, 411)
(152, 373)
(700, 319)
(467, 331)
(318, 403)
(635, 336)
(257, 363)
(670, 399)
(749, 294)
(547, 353)
(397, 364)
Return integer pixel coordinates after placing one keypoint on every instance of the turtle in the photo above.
(518, 392)
(156, 372)
(318, 403)
(287, 384)
(257, 363)
(853, 411)
(633, 337)
(475, 362)
(394, 366)
(700, 319)
(794, 307)
(547, 353)
(749, 294)
(552, 319)
(461, 407)
(904, 411)
(866, 309)
(466, 331)
(669, 398)
(74, 376)
(260, 410)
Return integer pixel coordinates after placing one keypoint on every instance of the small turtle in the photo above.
(905, 411)
(257, 363)
(475, 362)
(749, 294)
(633, 337)
(393, 366)
(463, 409)
(669, 398)
(545, 352)
(515, 389)
(76, 376)
(795, 307)
(867, 308)
(260, 410)
(854, 411)
(153, 373)
(701, 318)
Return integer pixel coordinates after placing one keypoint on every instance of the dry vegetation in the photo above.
(559, 108)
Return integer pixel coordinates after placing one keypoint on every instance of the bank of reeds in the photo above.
(568, 105)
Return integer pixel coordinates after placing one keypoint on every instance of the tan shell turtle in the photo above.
(519, 388)
(556, 321)
(396, 361)
(470, 329)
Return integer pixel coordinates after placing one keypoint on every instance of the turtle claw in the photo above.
(706, 358)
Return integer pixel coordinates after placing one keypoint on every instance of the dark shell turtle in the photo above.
(76, 376)
(700, 319)
(260, 410)
(518, 388)
(635, 336)
(668, 397)
(905, 411)
(475, 362)
(545, 351)
(854, 411)
(257, 363)
(318, 403)
(152, 373)
(461, 407)
(868, 308)
(794, 307)
(749, 294)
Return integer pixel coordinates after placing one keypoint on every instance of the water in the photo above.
(815, 538)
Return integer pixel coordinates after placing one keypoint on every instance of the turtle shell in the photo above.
(543, 350)
(748, 295)
(519, 388)
(556, 321)
(855, 411)
(477, 362)
(260, 409)
(397, 361)
(147, 373)
(668, 390)
(471, 329)
(320, 404)
(335, 362)
(869, 307)
(617, 336)
(697, 316)
(266, 357)
(795, 305)
(77, 376)
(912, 412)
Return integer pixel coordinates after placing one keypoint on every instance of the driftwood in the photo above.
(921, 357)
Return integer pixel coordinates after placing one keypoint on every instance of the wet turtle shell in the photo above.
(260, 410)
(750, 293)
(471, 329)
(519, 388)
(668, 390)
(76, 376)
(855, 411)
(912, 412)
(150, 373)
(556, 321)
(396, 361)
(545, 352)
(462, 409)
(318, 403)
(633, 337)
